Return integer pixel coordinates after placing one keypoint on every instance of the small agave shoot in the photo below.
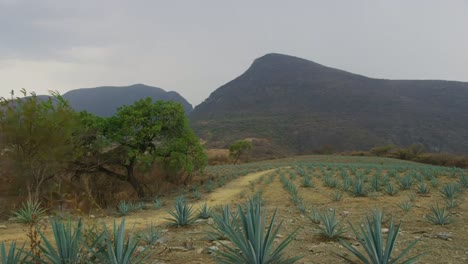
(204, 211)
(150, 236)
(124, 208)
(371, 238)
(252, 239)
(183, 213)
(14, 255)
(405, 206)
(157, 203)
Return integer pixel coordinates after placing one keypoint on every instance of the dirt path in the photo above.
(227, 194)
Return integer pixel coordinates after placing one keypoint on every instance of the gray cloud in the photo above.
(193, 47)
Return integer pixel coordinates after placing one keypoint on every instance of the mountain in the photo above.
(300, 106)
(104, 101)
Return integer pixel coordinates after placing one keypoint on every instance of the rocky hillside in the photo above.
(300, 106)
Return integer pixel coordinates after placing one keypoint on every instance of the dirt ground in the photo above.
(187, 244)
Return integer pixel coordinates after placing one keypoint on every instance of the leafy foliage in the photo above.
(38, 134)
(144, 133)
(239, 148)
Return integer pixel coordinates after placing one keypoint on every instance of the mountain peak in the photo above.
(303, 106)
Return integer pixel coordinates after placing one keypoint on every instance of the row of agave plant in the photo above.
(437, 215)
(251, 236)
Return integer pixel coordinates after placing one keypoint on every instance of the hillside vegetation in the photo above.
(298, 106)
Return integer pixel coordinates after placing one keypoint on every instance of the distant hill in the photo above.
(104, 101)
(300, 106)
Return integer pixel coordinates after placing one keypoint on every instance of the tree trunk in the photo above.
(134, 181)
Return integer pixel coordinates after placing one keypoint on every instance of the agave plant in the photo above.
(252, 238)
(30, 212)
(204, 212)
(330, 227)
(151, 236)
(14, 255)
(183, 214)
(390, 189)
(67, 245)
(405, 206)
(450, 191)
(124, 208)
(336, 196)
(439, 216)
(157, 203)
(120, 249)
(371, 238)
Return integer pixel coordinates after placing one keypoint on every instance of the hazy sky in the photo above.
(193, 47)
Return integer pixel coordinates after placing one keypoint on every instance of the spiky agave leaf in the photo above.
(30, 212)
(371, 238)
(67, 245)
(330, 228)
(252, 244)
(183, 214)
(121, 249)
(15, 255)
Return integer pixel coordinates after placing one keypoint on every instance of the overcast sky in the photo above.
(193, 47)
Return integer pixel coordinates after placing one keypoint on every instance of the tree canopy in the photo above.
(240, 148)
(45, 138)
(143, 133)
(38, 135)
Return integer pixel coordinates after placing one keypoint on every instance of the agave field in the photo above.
(310, 209)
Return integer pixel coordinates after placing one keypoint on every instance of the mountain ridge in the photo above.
(104, 100)
(312, 99)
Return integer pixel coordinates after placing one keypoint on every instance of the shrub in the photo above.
(371, 238)
(252, 238)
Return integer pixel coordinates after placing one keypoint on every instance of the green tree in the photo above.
(240, 148)
(37, 134)
(141, 134)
